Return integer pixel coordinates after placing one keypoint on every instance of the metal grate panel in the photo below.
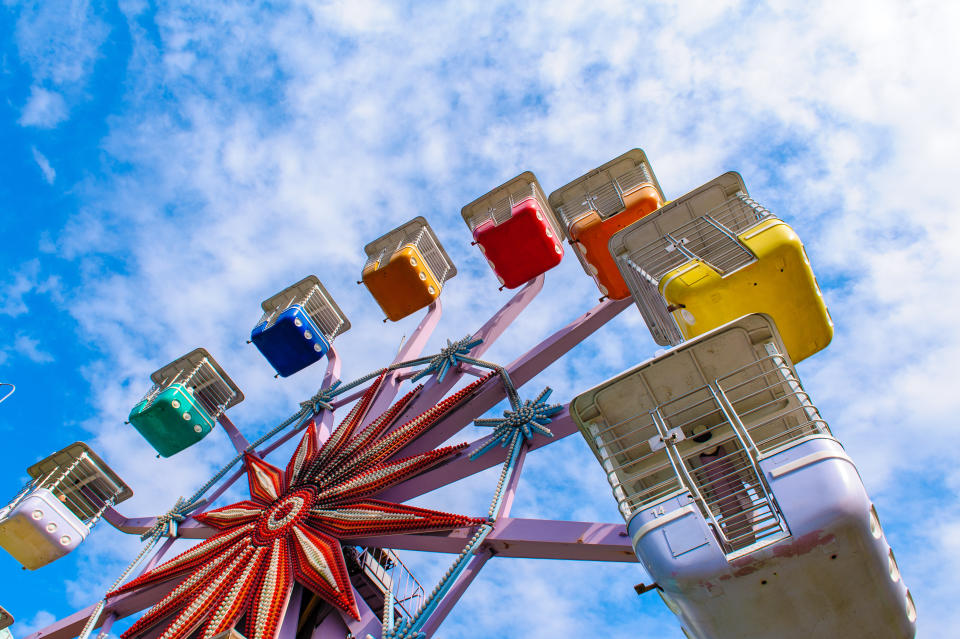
(80, 480)
(202, 376)
(417, 233)
(710, 238)
(606, 199)
(651, 304)
(437, 261)
(603, 189)
(384, 568)
(498, 204)
(316, 302)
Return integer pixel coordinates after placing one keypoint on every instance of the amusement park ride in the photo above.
(735, 496)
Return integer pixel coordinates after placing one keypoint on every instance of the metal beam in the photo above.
(521, 371)
(462, 466)
(525, 538)
(121, 606)
(434, 390)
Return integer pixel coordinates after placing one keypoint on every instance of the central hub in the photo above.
(280, 517)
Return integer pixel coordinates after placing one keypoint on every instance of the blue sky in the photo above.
(166, 168)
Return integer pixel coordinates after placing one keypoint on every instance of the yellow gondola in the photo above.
(714, 255)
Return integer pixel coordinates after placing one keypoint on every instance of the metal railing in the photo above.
(436, 261)
(708, 442)
(425, 243)
(4, 394)
(376, 259)
(384, 568)
(607, 199)
(653, 307)
(499, 212)
(317, 306)
(502, 210)
(83, 487)
(710, 238)
(210, 390)
(734, 495)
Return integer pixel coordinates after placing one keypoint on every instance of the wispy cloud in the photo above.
(60, 45)
(20, 284)
(29, 347)
(44, 109)
(49, 174)
(41, 619)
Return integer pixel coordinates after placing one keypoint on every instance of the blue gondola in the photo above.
(298, 325)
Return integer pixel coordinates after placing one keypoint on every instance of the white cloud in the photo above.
(44, 109)
(40, 620)
(49, 174)
(60, 45)
(266, 146)
(28, 347)
(26, 281)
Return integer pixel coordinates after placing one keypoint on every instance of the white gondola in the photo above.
(66, 497)
(738, 499)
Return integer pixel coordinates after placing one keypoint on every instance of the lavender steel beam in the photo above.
(368, 623)
(121, 606)
(157, 556)
(288, 627)
(330, 377)
(526, 539)
(240, 443)
(433, 390)
(462, 466)
(331, 628)
(107, 625)
(521, 371)
(411, 349)
(348, 399)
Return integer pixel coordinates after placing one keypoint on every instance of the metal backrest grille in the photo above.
(323, 313)
(710, 238)
(318, 305)
(427, 245)
(499, 212)
(375, 260)
(638, 473)
(498, 204)
(209, 388)
(652, 306)
(606, 199)
(83, 487)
